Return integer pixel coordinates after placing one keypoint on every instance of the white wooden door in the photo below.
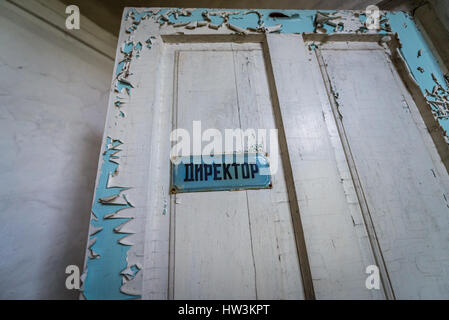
(360, 181)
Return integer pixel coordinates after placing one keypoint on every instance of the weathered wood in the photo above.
(308, 236)
(333, 227)
(230, 244)
(405, 186)
(358, 190)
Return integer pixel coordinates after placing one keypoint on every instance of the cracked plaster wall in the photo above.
(54, 94)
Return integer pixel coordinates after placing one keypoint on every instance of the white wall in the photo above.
(53, 101)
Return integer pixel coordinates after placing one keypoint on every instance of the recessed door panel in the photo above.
(400, 171)
(230, 244)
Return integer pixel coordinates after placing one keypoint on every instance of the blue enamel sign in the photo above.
(220, 172)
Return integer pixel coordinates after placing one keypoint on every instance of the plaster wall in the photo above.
(53, 92)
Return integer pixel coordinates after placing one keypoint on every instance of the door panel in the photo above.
(337, 242)
(239, 244)
(399, 170)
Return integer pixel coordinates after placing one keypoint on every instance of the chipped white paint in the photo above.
(335, 233)
(404, 180)
(235, 245)
(171, 240)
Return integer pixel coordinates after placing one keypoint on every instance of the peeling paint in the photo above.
(430, 79)
(110, 270)
(105, 261)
